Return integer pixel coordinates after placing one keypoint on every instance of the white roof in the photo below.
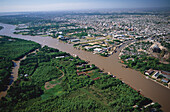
(97, 49)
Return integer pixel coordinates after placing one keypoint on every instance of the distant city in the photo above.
(86, 60)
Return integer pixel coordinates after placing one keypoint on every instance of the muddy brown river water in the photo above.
(135, 79)
(14, 76)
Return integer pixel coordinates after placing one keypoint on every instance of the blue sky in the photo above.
(54, 5)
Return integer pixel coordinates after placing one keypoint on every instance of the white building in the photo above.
(155, 75)
(97, 50)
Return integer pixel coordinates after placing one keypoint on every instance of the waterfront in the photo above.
(134, 78)
(14, 76)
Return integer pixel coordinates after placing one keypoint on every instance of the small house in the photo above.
(61, 37)
(149, 72)
(166, 74)
(165, 80)
(60, 57)
(97, 50)
(156, 75)
(83, 45)
(26, 75)
(88, 47)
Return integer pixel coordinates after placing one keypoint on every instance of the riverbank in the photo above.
(69, 78)
(12, 52)
(144, 62)
(110, 64)
(14, 76)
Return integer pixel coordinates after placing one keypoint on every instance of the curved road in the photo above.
(134, 78)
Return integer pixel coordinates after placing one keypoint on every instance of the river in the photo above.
(14, 76)
(131, 77)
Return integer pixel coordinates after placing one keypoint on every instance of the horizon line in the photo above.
(93, 9)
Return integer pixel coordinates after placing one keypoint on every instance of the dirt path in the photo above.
(48, 85)
(61, 72)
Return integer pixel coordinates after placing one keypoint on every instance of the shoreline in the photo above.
(150, 89)
(137, 70)
(14, 74)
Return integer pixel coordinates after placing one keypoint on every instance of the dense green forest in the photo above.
(12, 49)
(51, 80)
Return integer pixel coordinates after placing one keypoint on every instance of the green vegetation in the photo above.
(80, 34)
(34, 30)
(104, 54)
(18, 19)
(53, 92)
(90, 91)
(15, 49)
(12, 49)
(140, 60)
(51, 28)
(167, 45)
(115, 42)
(143, 63)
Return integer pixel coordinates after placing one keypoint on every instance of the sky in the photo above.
(58, 5)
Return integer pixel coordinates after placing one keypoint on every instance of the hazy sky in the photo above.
(50, 5)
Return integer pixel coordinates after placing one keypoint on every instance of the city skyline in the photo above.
(59, 5)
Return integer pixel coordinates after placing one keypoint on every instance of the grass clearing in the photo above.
(55, 91)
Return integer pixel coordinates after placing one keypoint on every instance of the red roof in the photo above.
(82, 73)
(150, 71)
(165, 72)
(96, 78)
(122, 61)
